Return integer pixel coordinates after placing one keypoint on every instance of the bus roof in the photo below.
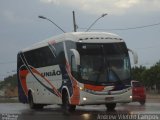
(84, 37)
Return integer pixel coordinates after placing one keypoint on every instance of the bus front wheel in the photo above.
(110, 106)
(67, 107)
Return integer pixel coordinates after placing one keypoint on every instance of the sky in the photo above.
(20, 26)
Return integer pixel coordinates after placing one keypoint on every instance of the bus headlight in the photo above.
(130, 97)
(81, 88)
(84, 98)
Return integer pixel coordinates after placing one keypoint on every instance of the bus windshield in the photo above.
(104, 63)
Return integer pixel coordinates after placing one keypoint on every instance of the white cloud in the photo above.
(124, 4)
(115, 7)
(51, 1)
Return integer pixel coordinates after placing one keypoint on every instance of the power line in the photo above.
(137, 27)
(129, 28)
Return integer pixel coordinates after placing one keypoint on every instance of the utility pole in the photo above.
(74, 22)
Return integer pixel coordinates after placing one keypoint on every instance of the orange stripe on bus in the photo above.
(75, 98)
(23, 75)
(94, 87)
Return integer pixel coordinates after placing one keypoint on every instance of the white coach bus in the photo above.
(79, 68)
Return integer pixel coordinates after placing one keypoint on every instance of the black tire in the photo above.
(72, 108)
(142, 102)
(110, 106)
(30, 100)
(66, 106)
(38, 106)
(32, 104)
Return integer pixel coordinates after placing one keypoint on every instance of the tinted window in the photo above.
(19, 61)
(136, 84)
(58, 52)
(40, 57)
(104, 62)
(70, 45)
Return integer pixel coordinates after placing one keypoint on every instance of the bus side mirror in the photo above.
(135, 56)
(77, 56)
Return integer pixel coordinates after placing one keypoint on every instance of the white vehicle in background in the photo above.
(79, 68)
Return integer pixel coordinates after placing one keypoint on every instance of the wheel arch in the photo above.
(63, 92)
(30, 92)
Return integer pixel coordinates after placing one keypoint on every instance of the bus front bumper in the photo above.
(87, 98)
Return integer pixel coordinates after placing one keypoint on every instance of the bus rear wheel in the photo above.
(32, 104)
(110, 106)
(66, 106)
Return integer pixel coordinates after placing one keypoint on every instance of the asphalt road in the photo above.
(19, 111)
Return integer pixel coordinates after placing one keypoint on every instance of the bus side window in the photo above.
(61, 58)
(74, 67)
(73, 64)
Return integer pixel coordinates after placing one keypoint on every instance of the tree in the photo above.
(10, 80)
(137, 73)
(149, 77)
